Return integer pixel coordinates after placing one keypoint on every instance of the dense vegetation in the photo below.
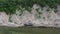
(9, 6)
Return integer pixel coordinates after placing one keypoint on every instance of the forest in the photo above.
(10, 6)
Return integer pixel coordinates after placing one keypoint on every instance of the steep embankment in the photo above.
(38, 17)
(37, 12)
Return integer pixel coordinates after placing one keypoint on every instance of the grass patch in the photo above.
(28, 30)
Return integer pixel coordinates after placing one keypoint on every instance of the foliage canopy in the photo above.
(9, 6)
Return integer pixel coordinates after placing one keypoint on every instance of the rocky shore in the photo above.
(47, 18)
